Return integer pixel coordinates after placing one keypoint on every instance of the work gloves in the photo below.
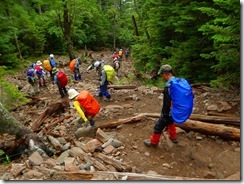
(87, 123)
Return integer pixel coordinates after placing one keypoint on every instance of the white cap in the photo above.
(72, 93)
(38, 63)
(51, 55)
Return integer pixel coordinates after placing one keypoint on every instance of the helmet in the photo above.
(55, 70)
(51, 56)
(72, 93)
(97, 64)
(39, 63)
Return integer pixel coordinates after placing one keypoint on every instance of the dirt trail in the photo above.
(195, 155)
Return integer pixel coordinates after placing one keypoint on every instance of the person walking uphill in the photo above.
(177, 106)
(106, 73)
(85, 104)
(60, 78)
(75, 67)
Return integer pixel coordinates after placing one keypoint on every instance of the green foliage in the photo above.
(6, 160)
(10, 95)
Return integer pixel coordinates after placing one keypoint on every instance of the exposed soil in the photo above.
(204, 157)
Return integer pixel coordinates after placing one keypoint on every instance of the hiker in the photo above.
(165, 120)
(116, 65)
(60, 78)
(127, 52)
(120, 54)
(115, 55)
(86, 106)
(75, 67)
(53, 64)
(32, 79)
(40, 74)
(105, 76)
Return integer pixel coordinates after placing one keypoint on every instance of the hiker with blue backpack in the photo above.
(53, 64)
(177, 106)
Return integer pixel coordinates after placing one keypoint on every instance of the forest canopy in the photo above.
(200, 39)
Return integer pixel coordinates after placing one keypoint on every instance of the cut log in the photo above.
(122, 87)
(122, 121)
(222, 131)
(120, 166)
(204, 118)
(216, 119)
(211, 113)
(87, 175)
(211, 129)
(52, 109)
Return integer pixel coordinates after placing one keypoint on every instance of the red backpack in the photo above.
(62, 78)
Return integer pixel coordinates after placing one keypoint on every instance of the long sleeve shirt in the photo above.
(167, 99)
(80, 110)
(103, 76)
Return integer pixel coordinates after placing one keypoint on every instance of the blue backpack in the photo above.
(182, 99)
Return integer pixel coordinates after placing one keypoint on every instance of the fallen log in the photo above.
(211, 129)
(190, 125)
(122, 87)
(216, 119)
(120, 166)
(122, 121)
(204, 118)
(211, 113)
(52, 109)
(88, 175)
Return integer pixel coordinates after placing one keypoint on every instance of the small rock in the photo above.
(199, 138)
(167, 165)
(147, 154)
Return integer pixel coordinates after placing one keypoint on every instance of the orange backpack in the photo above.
(88, 103)
(47, 65)
(72, 65)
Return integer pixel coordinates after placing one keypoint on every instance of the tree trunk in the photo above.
(68, 20)
(11, 126)
(135, 25)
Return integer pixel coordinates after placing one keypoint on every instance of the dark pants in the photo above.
(62, 90)
(104, 90)
(162, 123)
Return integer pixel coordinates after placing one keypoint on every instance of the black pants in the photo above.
(62, 90)
(162, 122)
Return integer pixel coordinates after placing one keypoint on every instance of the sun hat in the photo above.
(72, 93)
(39, 63)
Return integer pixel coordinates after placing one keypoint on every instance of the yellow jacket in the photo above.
(80, 110)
